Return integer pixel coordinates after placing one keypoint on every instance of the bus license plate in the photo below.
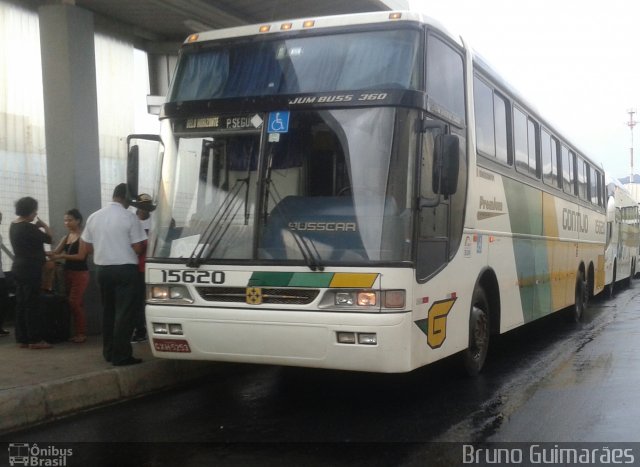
(171, 345)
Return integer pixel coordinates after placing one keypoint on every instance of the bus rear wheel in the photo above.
(580, 300)
(612, 287)
(479, 331)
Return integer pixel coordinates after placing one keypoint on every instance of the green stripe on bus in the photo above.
(311, 279)
(270, 279)
(531, 252)
(290, 279)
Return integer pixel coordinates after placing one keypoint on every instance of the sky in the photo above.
(576, 61)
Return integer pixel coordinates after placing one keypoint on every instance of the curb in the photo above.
(25, 406)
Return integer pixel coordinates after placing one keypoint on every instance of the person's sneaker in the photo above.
(4, 332)
(137, 338)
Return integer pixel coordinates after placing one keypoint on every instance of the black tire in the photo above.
(611, 288)
(580, 299)
(479, 332)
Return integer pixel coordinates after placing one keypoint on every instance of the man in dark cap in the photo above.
(145, 207)
(115, 236)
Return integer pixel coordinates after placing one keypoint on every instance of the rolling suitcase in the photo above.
(56, 319)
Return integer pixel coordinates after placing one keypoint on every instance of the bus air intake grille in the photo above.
(269, 295)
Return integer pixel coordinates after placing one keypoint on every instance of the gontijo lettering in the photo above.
(575, 221)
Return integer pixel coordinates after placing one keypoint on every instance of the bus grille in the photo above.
(269, 295)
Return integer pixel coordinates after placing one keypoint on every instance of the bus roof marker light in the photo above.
(192, 38)
(395, 15)
(286, 26)
(265, 28)
(309, 23)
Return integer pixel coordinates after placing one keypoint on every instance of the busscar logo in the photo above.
(41, 456)
(324, 226)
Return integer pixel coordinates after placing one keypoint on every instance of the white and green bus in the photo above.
(359, 192)
(623, 236)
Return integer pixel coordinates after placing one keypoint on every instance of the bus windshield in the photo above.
(384, 59)
(336, 188)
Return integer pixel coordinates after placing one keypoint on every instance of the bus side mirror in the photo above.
(133, 162)
(138, 144)
(446, 164)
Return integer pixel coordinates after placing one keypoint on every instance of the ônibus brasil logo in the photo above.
(33, 455)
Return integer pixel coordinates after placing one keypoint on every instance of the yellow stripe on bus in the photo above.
(347, 279)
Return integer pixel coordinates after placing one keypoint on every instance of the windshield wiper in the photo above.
(219, 224)
(311, 260)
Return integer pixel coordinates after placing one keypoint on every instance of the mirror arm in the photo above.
(433, 124)
(429, 202)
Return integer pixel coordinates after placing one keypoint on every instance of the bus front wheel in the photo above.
(479, 331)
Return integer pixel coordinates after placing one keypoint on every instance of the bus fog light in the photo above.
(175, 329)
(160, 328)
(367, 338)
(394, 299)
(344, 298)
(346, 337)
(366, 298)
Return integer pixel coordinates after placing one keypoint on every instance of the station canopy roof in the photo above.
(174, 20)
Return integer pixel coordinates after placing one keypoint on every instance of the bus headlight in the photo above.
(360, 298)
(161, 293)
(366, 298)
(344, 298)
(363, 300)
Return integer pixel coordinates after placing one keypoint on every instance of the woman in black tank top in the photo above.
(76, 272)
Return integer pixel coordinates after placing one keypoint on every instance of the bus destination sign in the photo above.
(217, 122)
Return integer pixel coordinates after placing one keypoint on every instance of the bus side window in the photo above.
(567, 170)
(582, 178)
(445, 77)
(548, 151)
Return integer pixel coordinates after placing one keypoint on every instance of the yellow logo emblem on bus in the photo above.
(437, 322)
(253, 295)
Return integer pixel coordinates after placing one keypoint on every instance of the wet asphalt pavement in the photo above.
(549, 381)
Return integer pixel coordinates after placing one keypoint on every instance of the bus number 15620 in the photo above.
(189, 276)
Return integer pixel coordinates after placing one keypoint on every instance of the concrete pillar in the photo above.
(71, 122)
(71, 111)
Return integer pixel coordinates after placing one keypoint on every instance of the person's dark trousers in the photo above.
(4, 301)
(140, 323)
(118, 286)
(28, 316)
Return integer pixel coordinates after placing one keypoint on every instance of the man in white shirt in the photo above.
(4, 292)
(115, 237)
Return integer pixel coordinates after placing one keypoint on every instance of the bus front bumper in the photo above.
(376, 342)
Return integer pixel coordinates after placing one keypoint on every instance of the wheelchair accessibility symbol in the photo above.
(278, 122)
